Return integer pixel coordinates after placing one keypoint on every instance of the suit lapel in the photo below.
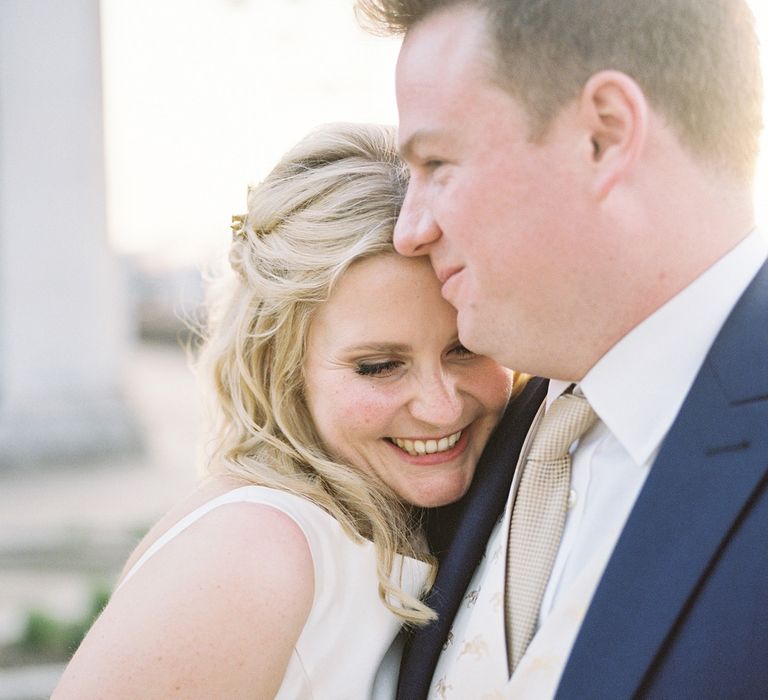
(458, 535)
(708, 467)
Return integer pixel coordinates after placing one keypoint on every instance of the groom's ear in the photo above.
(615, 111)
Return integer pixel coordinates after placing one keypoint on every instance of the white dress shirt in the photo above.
(636, 389)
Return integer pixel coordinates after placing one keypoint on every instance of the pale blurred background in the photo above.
(129, 130)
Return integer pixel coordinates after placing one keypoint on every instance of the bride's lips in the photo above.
(435, 457)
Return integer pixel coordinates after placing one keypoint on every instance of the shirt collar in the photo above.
(639, 385)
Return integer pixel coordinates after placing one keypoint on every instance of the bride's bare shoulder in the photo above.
(206, 490)
(242, 574)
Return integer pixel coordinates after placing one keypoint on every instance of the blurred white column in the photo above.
(63, 318)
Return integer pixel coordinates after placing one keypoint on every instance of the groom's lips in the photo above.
(445, 276)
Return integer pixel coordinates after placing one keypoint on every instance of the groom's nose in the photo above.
(416, 227)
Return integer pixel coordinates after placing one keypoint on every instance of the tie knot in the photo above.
(566, 420)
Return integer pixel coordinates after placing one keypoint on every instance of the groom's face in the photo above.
(498, 215)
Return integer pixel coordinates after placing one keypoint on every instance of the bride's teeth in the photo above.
(423, 447)
(406, 445)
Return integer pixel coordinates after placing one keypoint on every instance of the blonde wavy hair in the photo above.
(332, 200)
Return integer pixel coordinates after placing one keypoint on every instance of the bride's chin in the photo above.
(438, 492)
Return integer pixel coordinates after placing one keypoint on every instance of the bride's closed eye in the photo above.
(377, 369)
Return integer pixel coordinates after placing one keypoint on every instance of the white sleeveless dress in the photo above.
(341, 651)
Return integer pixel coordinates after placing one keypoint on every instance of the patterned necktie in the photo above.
(538, 517)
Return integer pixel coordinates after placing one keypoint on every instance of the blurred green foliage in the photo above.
(48, 638)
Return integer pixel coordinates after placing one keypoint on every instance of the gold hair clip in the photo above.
(238, 226)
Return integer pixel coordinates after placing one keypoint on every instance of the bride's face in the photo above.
(391, 389)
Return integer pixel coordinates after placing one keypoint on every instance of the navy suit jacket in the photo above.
(682, 608)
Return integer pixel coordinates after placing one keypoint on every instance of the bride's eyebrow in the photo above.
(378, 348)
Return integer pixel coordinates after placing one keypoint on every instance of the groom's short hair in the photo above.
(697, 61)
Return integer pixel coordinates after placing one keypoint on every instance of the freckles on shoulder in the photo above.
(215, 613)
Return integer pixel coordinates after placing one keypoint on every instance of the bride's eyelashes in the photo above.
(377, 369)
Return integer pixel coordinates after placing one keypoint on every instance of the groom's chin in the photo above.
(474, 332)
(483, 336)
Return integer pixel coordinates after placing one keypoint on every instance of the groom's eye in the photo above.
(461, 351)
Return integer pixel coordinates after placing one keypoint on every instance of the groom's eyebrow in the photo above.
(407, 149)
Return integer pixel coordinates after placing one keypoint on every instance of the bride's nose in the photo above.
(437, 401)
